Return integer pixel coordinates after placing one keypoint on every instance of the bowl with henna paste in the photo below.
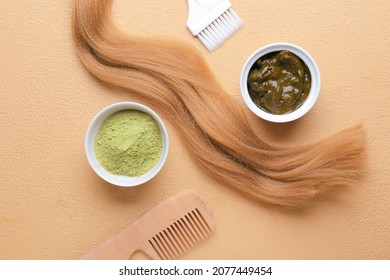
(280, 82)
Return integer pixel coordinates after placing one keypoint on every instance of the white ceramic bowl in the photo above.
(314, 90)
(119, 180)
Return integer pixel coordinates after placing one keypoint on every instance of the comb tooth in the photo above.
(187, 233)
(160, 250)
(199, 224)
(182, 236)
(205, 223)
(176, 240)
(191, 229)
(172, 245)
(195, 231)
(164, 243)
(175, 230)
(156, 250)
(163, 248)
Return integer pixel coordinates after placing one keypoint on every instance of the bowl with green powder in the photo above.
(127, 144)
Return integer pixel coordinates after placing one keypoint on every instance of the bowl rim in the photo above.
(314, 90)
(94, 126)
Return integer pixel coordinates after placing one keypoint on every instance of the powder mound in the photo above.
(128, 143)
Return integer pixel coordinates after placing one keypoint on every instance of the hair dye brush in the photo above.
(212, 21)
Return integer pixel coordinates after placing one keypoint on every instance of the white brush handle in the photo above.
(203, 12)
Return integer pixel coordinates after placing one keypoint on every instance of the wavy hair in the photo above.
(174, 77)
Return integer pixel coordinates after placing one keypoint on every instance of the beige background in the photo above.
(53, 206)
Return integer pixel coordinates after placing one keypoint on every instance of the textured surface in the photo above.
(53, 206)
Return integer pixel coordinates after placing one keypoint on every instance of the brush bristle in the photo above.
(220, 29)
(182, 235)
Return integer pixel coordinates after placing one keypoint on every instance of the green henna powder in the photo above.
(128, 143)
